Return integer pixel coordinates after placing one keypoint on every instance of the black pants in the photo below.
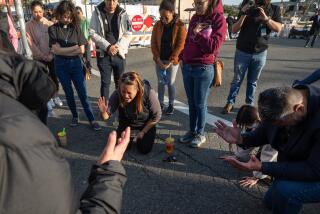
(107, 65)
(145, 144)
(314, 35)
(87, 56)
(52, 73)
(42, 113)
(230, 33)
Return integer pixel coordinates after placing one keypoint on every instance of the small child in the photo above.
(248, 119)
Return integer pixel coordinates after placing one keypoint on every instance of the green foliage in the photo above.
(231, 10)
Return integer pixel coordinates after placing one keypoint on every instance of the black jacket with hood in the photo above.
(34, 178)
(298, 155)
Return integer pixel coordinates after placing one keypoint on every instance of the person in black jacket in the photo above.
(314, 31)
(34, 178)
(291, 124)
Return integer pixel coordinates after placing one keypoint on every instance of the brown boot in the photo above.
(227, 108)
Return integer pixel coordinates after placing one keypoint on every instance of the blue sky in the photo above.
(231, 2)
(237, 2)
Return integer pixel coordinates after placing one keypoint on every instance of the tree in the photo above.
(231, 10)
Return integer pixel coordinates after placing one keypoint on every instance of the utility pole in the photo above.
(18, 6)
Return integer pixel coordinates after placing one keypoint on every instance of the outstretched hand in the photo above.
(252, 165)
(114, 149)
(103, 105)
(229, 134)
(248, 182)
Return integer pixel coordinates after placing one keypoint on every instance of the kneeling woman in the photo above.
(138, 107)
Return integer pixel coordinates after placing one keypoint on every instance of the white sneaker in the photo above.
(51, 113)
(198, 141)
(57, 101)
(52, 103)
(49, 106)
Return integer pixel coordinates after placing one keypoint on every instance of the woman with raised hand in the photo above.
(138, 108)
(207, 31)
(67, 44)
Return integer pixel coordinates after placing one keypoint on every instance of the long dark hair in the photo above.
(247, 116)
(132, 78)
(64, 7)
(212, 4)
(167, 5)
(36, 3)
(5, 43)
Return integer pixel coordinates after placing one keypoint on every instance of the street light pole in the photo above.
(18, 6)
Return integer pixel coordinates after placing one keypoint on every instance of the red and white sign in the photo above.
(148, 21)
(137, 23)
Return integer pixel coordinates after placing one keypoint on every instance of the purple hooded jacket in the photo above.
(203, 48)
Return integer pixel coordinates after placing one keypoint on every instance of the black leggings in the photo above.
(145, 144)
(52, 73)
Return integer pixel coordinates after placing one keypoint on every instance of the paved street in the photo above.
(199, 182)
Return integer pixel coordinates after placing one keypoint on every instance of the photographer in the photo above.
(255, 22)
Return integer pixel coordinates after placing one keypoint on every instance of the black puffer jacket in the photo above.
(34, 178)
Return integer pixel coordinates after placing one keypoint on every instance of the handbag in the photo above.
(218, 68)
(86, 70)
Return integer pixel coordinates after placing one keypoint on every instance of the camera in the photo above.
(253, 10)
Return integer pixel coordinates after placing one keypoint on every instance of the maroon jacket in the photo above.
(203, 47)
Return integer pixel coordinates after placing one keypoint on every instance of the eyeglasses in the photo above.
(199, 3)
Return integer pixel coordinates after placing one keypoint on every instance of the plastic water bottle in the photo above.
(62, 137)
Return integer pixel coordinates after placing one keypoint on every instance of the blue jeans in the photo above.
(197, 80)
(309, 79)
(287, 197)
(107, 65)
(243, 62)
(171, 74)
(70, 70)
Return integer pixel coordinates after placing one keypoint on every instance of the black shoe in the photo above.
(162, 107)
(169, 110)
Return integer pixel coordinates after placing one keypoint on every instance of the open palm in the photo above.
(229, 134)
(252, 165)
(103, 106)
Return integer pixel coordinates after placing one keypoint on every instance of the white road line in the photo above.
(179, 106)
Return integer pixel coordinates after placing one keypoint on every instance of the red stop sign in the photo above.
(137, 22)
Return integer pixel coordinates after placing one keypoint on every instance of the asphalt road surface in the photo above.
(199, 182)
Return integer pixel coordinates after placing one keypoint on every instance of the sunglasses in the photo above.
(127, 77)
